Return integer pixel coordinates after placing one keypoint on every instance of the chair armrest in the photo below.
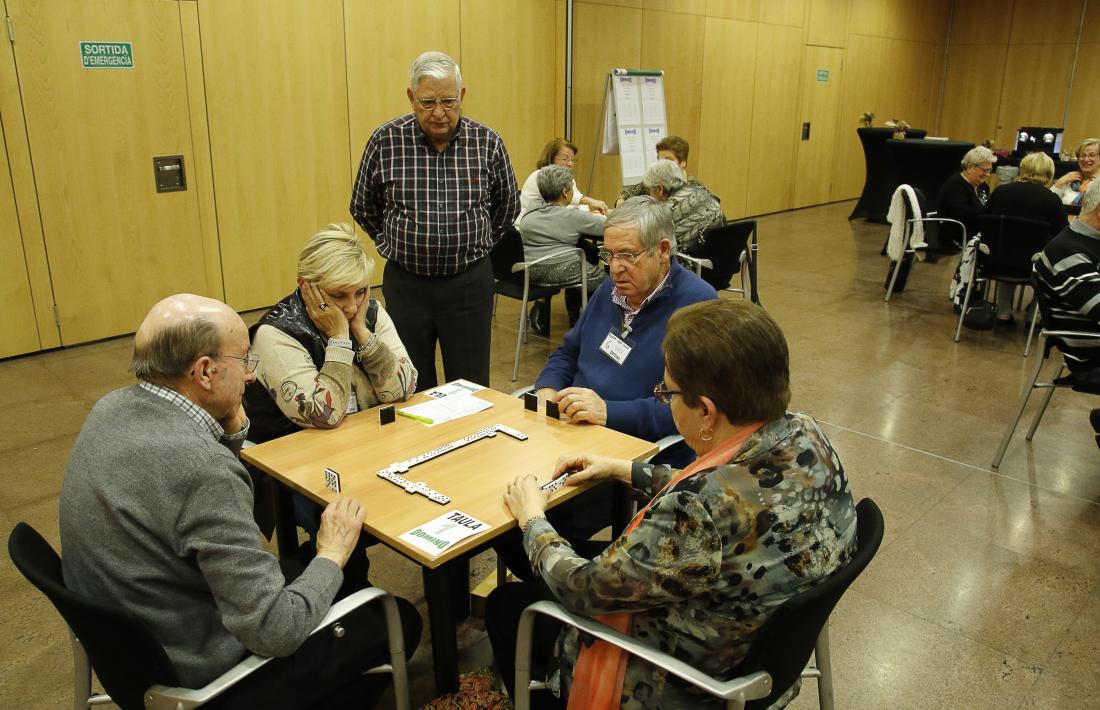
(561, 252)
(160, 697)
(751, 687)
(1068, 334)
(664, 442)
(524, 390)
(697, 263)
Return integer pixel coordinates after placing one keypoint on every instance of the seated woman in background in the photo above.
(547, 227)
(964, 194)
(1071, 186)
(557, 152)
(694, 209)
(327, 350)
(1027, 197)
(767, 495)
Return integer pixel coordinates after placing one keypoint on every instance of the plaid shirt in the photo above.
(200, 415)
(434, 212)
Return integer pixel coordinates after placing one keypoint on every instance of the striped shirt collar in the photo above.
(629, 312)
(197, 413)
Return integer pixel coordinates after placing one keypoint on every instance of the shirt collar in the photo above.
(197, 413)
(620, 300)
(460, 131)
(1081, 228)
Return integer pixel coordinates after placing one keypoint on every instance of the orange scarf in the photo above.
(601, 668)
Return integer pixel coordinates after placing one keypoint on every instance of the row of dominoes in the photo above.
(419, 487)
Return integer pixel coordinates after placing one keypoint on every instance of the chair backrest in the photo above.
(724, 246)
(507, 252)
(1012, 243)
(126, 657)
(783, 645)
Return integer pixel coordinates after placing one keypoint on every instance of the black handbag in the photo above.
(980, 315)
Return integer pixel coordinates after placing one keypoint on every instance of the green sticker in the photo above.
(107, 55)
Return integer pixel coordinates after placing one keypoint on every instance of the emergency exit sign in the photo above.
(107, 55)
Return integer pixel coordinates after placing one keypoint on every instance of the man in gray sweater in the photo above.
(156, 517)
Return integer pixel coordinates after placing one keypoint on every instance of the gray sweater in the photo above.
(547, 228)
(156, 517)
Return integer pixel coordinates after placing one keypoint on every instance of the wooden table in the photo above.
(473, 477)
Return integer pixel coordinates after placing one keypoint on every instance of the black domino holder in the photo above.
(387, 415)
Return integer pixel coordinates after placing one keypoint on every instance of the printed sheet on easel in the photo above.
(634, 121)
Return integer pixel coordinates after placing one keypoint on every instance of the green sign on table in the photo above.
(107, 55)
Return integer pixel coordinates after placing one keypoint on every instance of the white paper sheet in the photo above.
(446, 409)
(439, 534)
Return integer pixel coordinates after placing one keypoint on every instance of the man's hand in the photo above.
(341, 524)
(582, 405)
(330, 320)
(589, 467)
(546, 394)
(235, 421)
(524, 498)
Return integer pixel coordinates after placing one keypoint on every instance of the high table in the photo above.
(926, 165)
(473, 476)
(880, 180)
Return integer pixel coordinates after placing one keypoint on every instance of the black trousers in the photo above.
(327, 672)
(456, 311)
(502, 611)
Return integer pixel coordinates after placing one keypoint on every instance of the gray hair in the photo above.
(553, 181)
(651, 218)
(665, 173)
(168, 353)
(976, 156)
(436, 65)
(1090, 200)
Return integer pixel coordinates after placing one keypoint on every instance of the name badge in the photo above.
(353, 403)
(615, 348)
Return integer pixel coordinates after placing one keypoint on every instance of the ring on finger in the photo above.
(323, 306)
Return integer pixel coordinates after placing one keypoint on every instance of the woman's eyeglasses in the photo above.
(664, 394)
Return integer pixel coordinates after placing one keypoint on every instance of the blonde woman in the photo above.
(1071, 186)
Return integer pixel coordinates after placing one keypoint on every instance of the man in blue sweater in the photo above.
(605, 371)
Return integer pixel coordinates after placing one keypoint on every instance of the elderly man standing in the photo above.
(436, 191)
(1067, 280)
(156, 518)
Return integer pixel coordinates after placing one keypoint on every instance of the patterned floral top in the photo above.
(714, 555)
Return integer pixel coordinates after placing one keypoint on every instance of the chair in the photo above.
(1048, 340)
(132, 666)
(727, 250)
(935, 242)
(513, 280)
(778, 655)
(1006, 249)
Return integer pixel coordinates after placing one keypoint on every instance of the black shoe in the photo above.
(1005, 324)
(538, 320)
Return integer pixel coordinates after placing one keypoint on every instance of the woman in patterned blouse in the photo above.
(763, 514)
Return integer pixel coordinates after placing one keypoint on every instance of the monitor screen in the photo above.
(1031, 139)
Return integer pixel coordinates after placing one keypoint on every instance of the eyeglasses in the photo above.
(251, 361)
(449, 104)
(663, 394)
(624, 256)
(567, 159)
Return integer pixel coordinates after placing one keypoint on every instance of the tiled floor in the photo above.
(985, 593)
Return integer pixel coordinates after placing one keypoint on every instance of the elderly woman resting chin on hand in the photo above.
(762, 514)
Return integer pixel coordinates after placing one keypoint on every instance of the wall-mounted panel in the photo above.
(914, 20)
(277, 101)
(722, 156)
(674, 43)
(1084, 102)
(114, 244)
(689, 7)
(775, 124)
(596, 52)
(1046, 23)
(981, 21)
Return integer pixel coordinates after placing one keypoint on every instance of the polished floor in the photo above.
(985, 593)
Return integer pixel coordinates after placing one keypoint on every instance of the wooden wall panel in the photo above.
(597, 51)
(1046, 23)
(775, 125)
(674, 43)
(277, 100)
(821, 109)
(827, 23)
(1084, 103)
(723, 154)
(515, 97)
(18, 328)
(689, 7)
(971, 93)
(1036, 85)
(790, 13)
(915, 20)
(747, 10)
(981, 22)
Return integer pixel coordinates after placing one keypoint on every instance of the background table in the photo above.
(926, 165)
(473, 477)
(880, 180)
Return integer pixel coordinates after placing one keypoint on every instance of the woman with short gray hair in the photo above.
(964, 194)
(549, 227)
(694, 208)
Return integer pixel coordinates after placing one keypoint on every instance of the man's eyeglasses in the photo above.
(624, 256)
(449, 104)
(251, 361)
(664, 394)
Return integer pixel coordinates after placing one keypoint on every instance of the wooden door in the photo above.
(18, 330)
(114, 244)
(820, 114)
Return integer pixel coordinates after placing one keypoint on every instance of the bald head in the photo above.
(177, 331)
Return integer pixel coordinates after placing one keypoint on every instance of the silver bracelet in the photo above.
(362, 350)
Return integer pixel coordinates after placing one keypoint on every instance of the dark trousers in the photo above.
(327, 672)
(456, 311)
(502, 611)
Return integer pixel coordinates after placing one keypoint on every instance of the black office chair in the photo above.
(128, 660)
(728, 250)
(1006, 249)
(513, 280)
(777, 657)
